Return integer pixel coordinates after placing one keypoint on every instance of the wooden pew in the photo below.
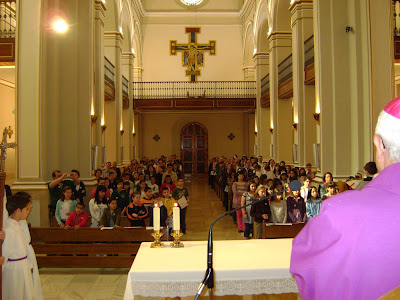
(281, 231)
(88, 247)
(124, 222)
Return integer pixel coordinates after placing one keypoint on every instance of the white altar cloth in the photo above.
(241, 267)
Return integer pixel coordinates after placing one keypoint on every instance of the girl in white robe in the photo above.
(37, 288)
(17, 276)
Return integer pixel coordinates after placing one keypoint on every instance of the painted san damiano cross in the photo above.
(192, 53)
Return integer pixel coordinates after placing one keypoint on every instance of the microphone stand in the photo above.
(209, 276)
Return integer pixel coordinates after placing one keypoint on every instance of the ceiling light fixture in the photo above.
(191, 2)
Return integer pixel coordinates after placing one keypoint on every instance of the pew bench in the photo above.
(124, 222)
(88, 247)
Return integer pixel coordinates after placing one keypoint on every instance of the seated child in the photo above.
(78, 218)
(147, 200)
(153, 185)
(331, 190)
(65, 206)
(136, 211)
(112, 215)
(163, 210)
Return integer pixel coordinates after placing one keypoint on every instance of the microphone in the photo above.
(209, 276)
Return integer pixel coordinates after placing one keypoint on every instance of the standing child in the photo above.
(260, 211)
(78, 218)
(168, 203)
(136, 211)
(238, 188)
(65, 206)
(97, 205)
(37, 288)
(17, 272)
(248, 198)
(296, 208)
(112, 215)
(313, 203)
(181, 194)
(121, 195)
(163, 210)
(278, 209)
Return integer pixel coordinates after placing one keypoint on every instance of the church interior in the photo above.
(85, 82)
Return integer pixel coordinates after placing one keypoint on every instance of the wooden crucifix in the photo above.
(3, 147)
(192, 52)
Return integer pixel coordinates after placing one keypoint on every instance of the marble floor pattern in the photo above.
(109, 283)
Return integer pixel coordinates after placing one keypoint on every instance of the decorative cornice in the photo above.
(100, 5)
(300, 3)
(113, 35)
(128, 55)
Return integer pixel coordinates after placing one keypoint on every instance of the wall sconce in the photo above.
(103, 127)
(94, 119)
(294, 125)
(134, 134)
(122, 131)
(271, 130)
(255, 133)
(316, 116)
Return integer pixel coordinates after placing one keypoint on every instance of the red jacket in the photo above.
(74, 220)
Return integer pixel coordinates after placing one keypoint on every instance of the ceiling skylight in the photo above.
(191, 2)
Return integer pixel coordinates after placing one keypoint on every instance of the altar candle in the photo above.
(156, 217)
(176, 220)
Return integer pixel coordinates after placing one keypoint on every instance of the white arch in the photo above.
(248, 45)
(137, 44)
(261, 27)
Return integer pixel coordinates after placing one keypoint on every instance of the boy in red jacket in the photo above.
(78, 218)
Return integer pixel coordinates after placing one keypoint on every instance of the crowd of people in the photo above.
(132, 192)
(248, 179)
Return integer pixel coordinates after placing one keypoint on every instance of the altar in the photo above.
(242, 267)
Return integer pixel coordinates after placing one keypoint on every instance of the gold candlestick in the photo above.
(157, 242)
(176, 234)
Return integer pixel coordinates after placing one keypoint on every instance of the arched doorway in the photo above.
(194, 148)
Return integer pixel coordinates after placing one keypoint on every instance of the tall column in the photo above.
(280, 46)
(303, 95)
(54, 97)
(113, 51)
(128, 70)
(345, 77)
(263, 138)
(98, 101)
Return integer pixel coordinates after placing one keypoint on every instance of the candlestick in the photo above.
(176, 234)
(156, 217)
(157, 239)
(176, 219)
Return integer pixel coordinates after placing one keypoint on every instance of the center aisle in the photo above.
(204, 208)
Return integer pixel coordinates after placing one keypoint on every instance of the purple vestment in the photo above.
(352, 249)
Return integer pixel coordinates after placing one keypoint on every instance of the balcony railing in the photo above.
(7, 19)
(199, 89)
(125, 86)
(285, 70)
(309, 51)
(109, 70)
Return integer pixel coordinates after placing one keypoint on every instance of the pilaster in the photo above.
(263, 138)
(280, 46)
(128, 68)
(303, 95)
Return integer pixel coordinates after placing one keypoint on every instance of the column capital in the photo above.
(301, 9)
(113, 38)
(280, 39)
(261, 58)
(130, 56)
(100, 9)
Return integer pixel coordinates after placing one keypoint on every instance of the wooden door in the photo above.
(194, 148)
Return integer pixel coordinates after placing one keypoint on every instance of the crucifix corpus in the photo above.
(3, 146)
(192, 52)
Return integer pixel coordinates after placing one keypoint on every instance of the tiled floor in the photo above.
(109, 284)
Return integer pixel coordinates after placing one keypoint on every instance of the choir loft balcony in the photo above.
(199, 95)
(7, 32)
